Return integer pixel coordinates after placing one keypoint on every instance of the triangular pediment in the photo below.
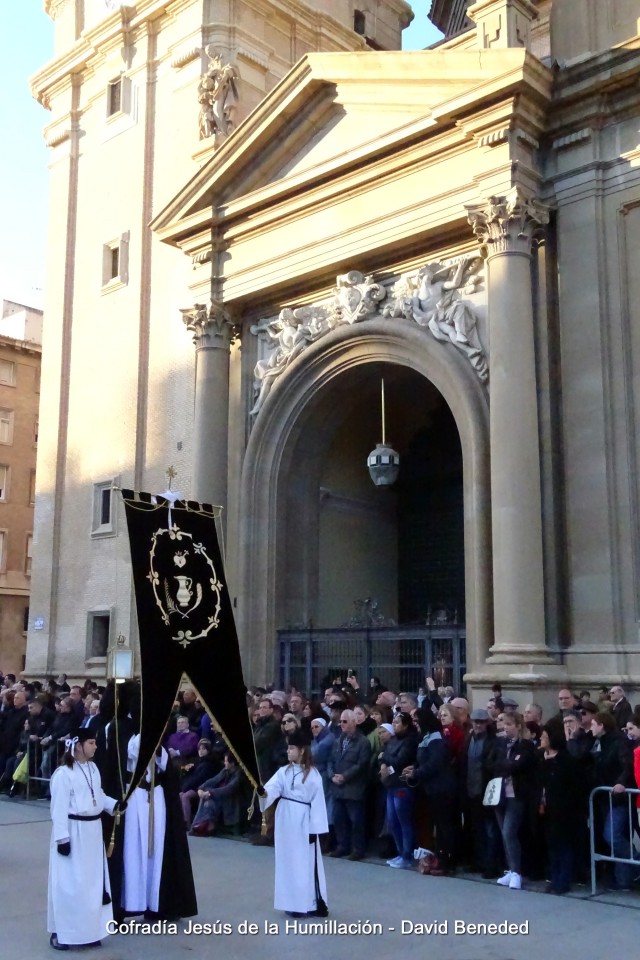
(333, 112)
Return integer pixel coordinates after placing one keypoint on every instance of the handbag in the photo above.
(21, 772)
(493, 792)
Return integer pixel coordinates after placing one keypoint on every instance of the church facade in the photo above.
(460, 223)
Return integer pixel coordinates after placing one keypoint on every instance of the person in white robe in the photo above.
(143, 852)
(301, 815)
(79, 906)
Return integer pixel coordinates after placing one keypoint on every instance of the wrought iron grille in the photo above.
(401, 656)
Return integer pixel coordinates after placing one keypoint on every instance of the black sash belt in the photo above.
(81, 816)
(293, 800)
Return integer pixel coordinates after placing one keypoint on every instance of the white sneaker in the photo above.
(396, 862)
(515, 882)
(506, 880)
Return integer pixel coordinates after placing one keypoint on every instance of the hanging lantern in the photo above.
(384, 461)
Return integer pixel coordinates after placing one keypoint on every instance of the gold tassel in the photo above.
(112, 839)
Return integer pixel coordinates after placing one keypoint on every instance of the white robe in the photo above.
(77, 882)
(142, 870)
(295, 889)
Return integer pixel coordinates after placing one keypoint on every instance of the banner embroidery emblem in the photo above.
(179, 579)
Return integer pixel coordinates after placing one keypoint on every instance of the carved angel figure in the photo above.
(217, 95)
(438, 306)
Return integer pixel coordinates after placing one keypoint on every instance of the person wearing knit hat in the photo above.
(301, 815)
(79, 906)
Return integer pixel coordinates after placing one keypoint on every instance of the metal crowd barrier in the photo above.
(56, 757)
(633, 824)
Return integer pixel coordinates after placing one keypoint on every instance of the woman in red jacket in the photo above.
(451, 729)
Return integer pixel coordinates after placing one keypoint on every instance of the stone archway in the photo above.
(286, 414)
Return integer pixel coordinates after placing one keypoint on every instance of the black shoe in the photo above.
(355, 856)
(294, 913)
(318, 913)
(53, 942)
(336, 853)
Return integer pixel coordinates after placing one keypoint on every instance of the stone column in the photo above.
(213, 332)
(505, 227)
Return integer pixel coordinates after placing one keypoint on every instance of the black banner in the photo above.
(186, 623)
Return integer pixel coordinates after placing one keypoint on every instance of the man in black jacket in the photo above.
(348, 769)
(268, 737)
(622, 709)
(482, 836)
(12, 728)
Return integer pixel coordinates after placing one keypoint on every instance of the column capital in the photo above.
(212, 325)
(506, 224)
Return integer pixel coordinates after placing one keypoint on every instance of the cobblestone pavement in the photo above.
(375, 911)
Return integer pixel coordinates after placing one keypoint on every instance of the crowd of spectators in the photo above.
(400, 771)
(410, 770)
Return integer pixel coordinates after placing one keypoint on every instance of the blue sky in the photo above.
(26, 43)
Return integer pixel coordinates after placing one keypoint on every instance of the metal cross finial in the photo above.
(171, 472)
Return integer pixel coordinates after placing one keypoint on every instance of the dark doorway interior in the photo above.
(431, 522)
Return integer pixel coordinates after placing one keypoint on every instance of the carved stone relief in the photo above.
(217, 96)
(432, 297)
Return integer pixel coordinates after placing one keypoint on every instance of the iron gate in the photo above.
(400, 656)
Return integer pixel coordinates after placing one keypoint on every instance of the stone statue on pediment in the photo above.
(217, 96)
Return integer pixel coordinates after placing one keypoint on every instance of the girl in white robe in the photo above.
(300, 814)
(78, 876)
(142, 864)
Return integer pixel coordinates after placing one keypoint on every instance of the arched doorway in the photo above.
(376, 580)
(306, 493)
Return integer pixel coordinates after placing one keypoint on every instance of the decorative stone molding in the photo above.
(430, 297)
(187, 56)
(503, 23)
(572, 138)
(527, 138)
(57, 135)
(494, 138)
(217, 96)
(211, 324)
(243, 54)
(508, 223)
(203, 256)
